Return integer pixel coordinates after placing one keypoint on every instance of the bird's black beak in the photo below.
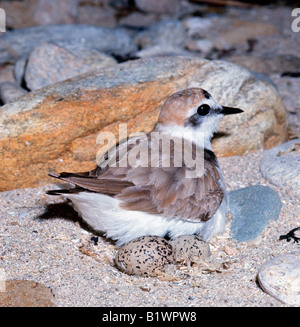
(230, 111)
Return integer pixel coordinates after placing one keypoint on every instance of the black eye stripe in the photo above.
(203, 110)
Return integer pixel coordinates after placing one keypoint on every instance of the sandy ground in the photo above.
(38, 245)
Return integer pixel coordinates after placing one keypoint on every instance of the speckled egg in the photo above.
(190, 247)
(145, 256)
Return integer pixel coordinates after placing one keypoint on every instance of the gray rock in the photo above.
(19, 69)
(7, 73)
(281, 165)
(167, 32)
(25, 13)
(97, 15)
(49, 64)
(235, 32)
(227, 32)
(198, 25)
(197, 31)
(267, 64)
(203, 45)
(54, 12)
(116, 41)
(280, 277)
(161, 50)
(138, 19)
(158, 6)
(9, 91)
(252, 207)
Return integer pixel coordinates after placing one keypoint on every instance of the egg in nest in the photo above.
(145, 256)
(190, 248)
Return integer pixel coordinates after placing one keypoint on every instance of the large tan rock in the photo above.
(55, 128)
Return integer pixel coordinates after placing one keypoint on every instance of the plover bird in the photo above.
(125, 200)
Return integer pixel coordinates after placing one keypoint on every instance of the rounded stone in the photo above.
(281, 165)
(50, 63)
(251, 208)
(280, 277)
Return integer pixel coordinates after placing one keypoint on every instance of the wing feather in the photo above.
(157, 190)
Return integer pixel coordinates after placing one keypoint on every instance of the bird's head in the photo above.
(192, 111)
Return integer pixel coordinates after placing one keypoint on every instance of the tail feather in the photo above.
(74, 190)
(85, 182)
(66, 177)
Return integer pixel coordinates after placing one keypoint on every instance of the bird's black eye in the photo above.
(203, 110)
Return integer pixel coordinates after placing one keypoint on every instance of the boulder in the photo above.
(21, 42)
(280, 277)
(50, 63)
(26, 13)
(168, 32)
(7, 73)
(9, 91)
(158, 6)
(227, 32)
(267, 64)
(55, 128)
(19, 69)
(97, 15)
(233, 32)
(280, 166)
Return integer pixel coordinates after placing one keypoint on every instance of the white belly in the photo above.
(103, 213)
